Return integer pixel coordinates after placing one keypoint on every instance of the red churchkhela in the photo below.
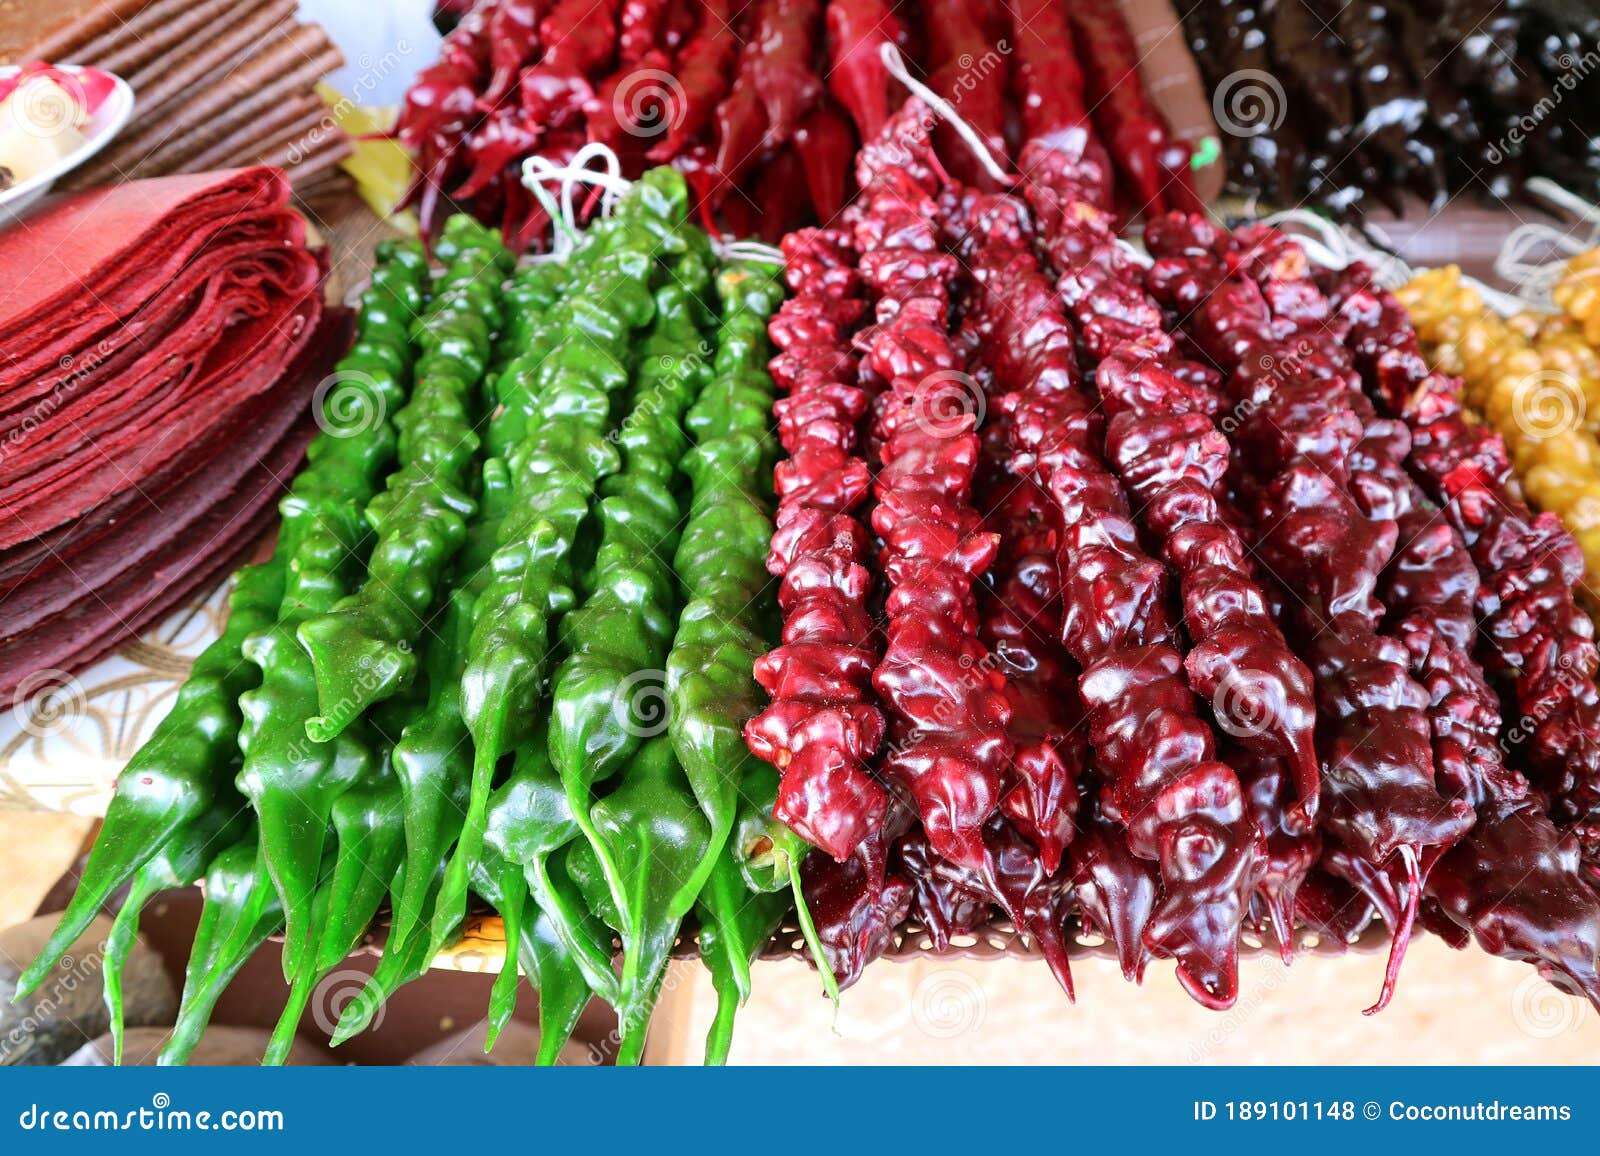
(1298, 438)
(947, 709)
(823, 725)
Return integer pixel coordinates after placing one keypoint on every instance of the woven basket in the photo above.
(482, 946)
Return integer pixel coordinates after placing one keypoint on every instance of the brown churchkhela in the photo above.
(1299, 472)
(1515, 883)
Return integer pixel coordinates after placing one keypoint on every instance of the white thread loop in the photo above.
(1137, 254)
(1536, 279)
(1336, 247)
(748, 251)
(895, 63)
(1564, 198)
(1505, 304)
(537, 171)
(1328, 245)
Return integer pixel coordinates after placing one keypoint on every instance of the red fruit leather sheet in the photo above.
(45, 576)
(60, 264)
(124, 312)
(230, 447)
(227, 322)
(72, 640)
(246, 359)
(210, 543)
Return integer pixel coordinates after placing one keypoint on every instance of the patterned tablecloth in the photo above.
(66, 737)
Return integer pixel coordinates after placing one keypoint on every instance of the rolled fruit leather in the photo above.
(53, 29)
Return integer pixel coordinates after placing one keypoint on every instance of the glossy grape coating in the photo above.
(554, 472)
(1533, 633)
(1301, 435)
(948, 713)
(363, 647)
(1514, 882)
(291, 782)
(823, 724)
(1182, 806)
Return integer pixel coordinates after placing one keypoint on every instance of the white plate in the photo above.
(104, 125)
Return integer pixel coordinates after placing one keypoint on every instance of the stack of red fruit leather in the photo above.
(159, 344)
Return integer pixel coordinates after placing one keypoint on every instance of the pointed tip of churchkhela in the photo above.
(1050, 935)
(1116, 893)
(1211, 981)
(1402, 933)
(1578, 975)
(1031, 897)
(1279, 901)
(1208, 866)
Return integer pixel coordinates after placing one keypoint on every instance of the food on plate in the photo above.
(44, 112)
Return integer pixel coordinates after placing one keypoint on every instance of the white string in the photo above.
(535, 171)
(611, 181)
(1332, 241)
(895, 63)
(1536, 280)
(748, 251)
(1344, 247)
(1323, 255)
(1336, 247)
(1389, 270)
(1137, 254)
(576, 173)
(538, 171)
(1505, 304)
(1565, 198)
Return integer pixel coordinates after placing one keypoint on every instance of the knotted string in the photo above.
(896, 65)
